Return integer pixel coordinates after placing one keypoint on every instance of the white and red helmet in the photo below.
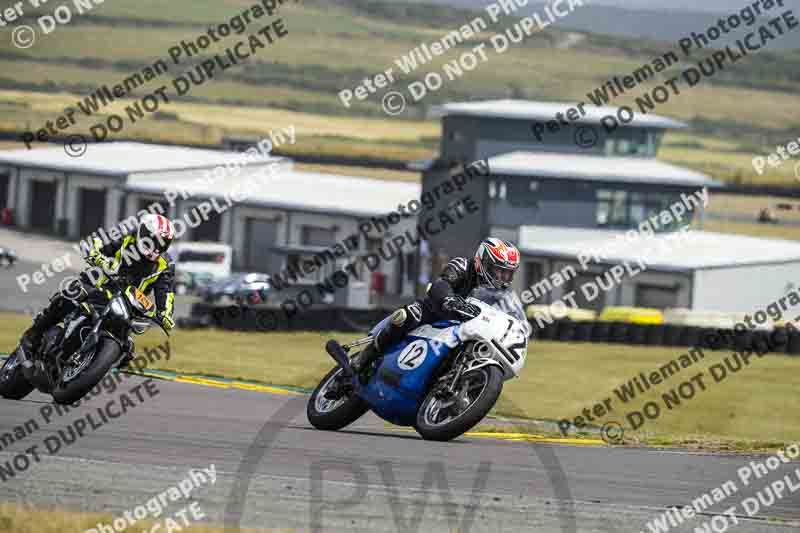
(496, 261)
(154, 235)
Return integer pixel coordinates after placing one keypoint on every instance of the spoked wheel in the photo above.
(445, 418)
(13, 384)
(333, 413)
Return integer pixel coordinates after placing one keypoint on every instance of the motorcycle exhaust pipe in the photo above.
(338, 354)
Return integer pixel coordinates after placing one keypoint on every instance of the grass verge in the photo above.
(16, 518)
(754, 408)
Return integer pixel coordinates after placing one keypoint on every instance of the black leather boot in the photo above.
(30, 341)
(364, 360)
(47, 318)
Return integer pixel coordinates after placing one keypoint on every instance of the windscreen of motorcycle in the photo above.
(505, 300)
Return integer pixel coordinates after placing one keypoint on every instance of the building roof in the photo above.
(597, 168)
(288, 189)
(544, 111)
(118, 159)
(667, 252)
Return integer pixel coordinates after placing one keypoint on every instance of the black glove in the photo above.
(459, 307)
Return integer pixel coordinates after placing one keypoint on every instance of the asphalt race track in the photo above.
(275, 471)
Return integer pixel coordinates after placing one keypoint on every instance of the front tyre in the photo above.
(13, 384)
(332, 415)
(107, 353)
(444, 419)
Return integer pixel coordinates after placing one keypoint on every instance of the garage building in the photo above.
(285, 217)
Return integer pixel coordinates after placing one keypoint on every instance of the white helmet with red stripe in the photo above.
(154, 236)
(496, 261)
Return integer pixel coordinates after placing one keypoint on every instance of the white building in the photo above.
(558, 187)
(697, 270)
(272, 215)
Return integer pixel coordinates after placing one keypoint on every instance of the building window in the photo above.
(522, 193)
(612, 208)
(620, 209)
(497, 189)
(315, 236)
(635, 143)
(643, 206)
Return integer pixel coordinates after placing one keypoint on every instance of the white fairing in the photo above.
(496, 328)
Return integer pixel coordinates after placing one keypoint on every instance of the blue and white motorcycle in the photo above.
(442, 379)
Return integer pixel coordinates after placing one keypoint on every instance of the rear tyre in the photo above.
(108, 352)
(332, 415)
(436, 420)
(13, 384)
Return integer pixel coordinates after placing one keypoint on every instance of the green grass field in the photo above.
(15, 518)
(336, 45)
(757, 405)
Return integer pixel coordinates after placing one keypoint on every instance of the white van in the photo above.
(200, 260)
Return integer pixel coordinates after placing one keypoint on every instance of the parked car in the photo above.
(7, 257)
(198, 263)
(191, 283)
(248, 288)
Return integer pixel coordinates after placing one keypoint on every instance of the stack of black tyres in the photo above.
(780, 340)
(654, 335)
(672, 335)
(566, 330)
(637, 334)
(793, 346)
(583, 331)
(546, 332)
(601, 332)
(690, 336)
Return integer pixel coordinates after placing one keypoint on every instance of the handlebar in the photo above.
(458, 305)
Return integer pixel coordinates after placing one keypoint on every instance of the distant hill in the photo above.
(648, 19)
(718, 6)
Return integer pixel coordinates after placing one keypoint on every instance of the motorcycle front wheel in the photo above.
(332, 415)
(107, 353)
(444, 419)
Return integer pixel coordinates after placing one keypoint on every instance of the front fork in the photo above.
(339, 354)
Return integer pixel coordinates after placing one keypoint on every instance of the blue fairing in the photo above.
(397, 389)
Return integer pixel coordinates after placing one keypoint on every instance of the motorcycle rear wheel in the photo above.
(332, 415)
(107, 354)
(13, 385)
(481, 388)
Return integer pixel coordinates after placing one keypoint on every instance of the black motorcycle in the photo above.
(76, 354)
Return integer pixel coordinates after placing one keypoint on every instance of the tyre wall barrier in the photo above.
(260, 318)
(780, 340)
(263, 318)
